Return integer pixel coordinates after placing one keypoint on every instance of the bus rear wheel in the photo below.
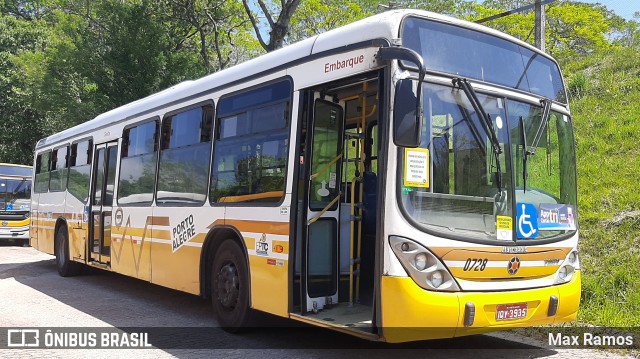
(230, 287)
(66, 267)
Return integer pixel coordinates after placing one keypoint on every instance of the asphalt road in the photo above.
(32, 295)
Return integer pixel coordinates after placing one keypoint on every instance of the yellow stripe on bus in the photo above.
(464, 254)
(22, 223)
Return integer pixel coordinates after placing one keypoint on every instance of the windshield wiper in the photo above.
(525, 154)
(485, 121)
(546, 114)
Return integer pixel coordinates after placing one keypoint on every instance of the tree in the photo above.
(576, 28)
(278, 28)
(214, 29)
(317, 16)
(456, 8)
(573, 28)
(21, 123)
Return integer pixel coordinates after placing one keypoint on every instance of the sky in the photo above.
(624, 8)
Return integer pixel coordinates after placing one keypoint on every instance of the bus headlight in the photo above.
(421, 261)
(436, 278)
(422, 265)
(569, 266)
(565, 273)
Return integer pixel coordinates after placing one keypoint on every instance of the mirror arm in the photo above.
(406, 54)
(402, 53)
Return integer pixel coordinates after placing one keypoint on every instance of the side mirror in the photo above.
(407, 116)
(407, 124)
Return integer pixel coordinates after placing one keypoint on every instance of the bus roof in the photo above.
(381, 26)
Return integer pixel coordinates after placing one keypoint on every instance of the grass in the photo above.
(605, 104)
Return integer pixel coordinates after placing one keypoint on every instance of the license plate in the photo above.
(511, 311)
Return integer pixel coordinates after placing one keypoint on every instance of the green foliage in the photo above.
(605, 117)
(126, 55)
(573, 28)
(20, 125)
(456, 8)
(577, 85)
(610, 293)
(214, 29)
(63, 62)
(315, 16)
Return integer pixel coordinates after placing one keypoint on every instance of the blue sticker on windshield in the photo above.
(9, 206)
(556, 217)
(527, 220)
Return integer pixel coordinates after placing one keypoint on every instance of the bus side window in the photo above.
(184, 157)
(59, 172)
(42, 172)
(138, 164)
(252, 142)
(80, 170)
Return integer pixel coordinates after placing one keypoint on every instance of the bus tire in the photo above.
(25, 242)
(66, 267)
(230, 287)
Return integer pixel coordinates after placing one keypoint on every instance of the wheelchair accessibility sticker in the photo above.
(527, 220)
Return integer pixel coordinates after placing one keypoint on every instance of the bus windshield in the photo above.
(15, 194)
(450, 183)
(484, 57)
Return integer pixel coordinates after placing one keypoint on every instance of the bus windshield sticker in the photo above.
(527, 220)
(332, 180)
(504, 225)
(556, 217)
(416, 167)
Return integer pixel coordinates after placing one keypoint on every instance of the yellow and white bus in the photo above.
(404, 177)
(15, 201)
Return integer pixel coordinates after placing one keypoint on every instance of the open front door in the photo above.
(323, 211)
(101, 204)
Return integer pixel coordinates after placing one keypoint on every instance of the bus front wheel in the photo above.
(230, 287)
(66, 267)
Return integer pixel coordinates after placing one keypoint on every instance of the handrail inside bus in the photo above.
(320, 171)
(314, 219)
(373, 110)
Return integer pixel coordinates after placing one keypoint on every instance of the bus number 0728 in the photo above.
(475, 264)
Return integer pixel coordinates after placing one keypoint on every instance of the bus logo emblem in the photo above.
(513, 265)
(5, 223)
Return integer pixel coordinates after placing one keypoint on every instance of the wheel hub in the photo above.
(228, 286)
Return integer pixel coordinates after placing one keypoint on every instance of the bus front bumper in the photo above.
(410, 313)
(14, 233)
